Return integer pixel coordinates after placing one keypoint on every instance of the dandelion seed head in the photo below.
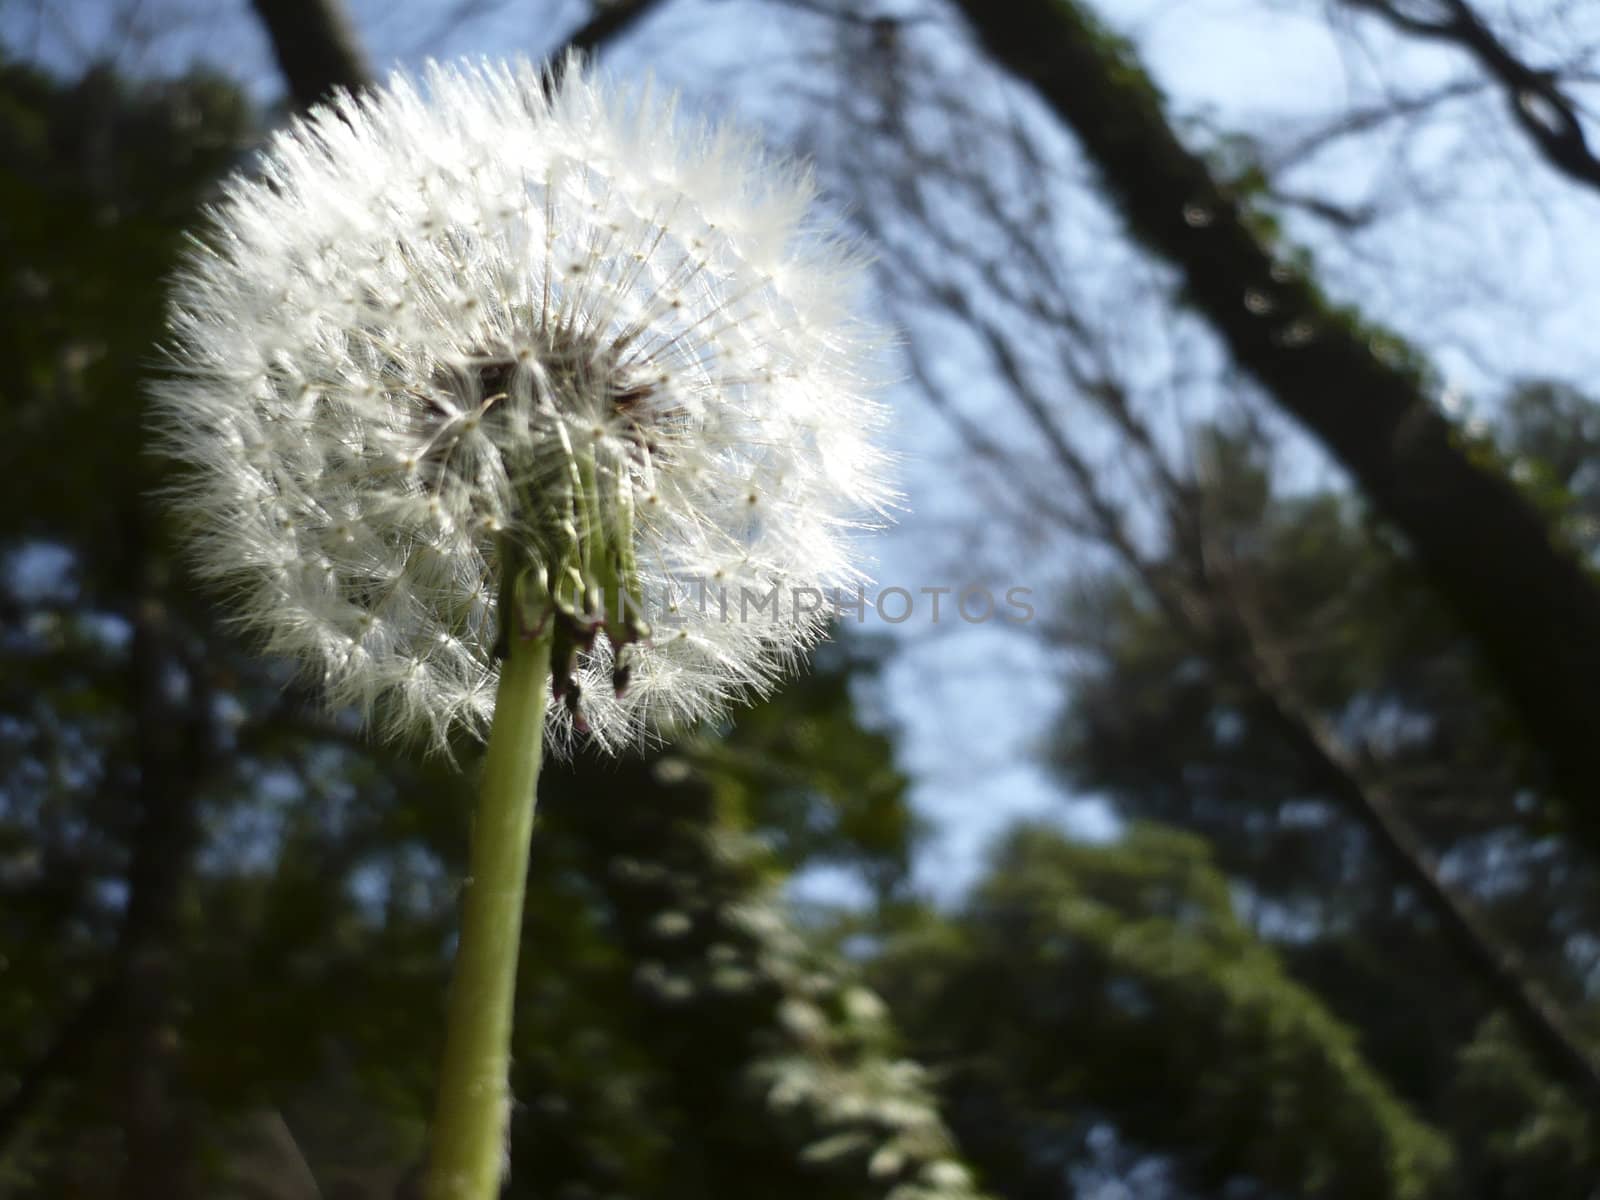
(482, 328)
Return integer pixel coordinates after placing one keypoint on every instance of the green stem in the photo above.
(469, 1132)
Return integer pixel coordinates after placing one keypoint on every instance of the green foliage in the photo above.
(1521, 1137)
(826, 788)
(1159, 727)
(1115, 981)
(102, 178)
(1550, 445)
(766, 1065)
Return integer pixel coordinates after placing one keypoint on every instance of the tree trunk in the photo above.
(1526, 602)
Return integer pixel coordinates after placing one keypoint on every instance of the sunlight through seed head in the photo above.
(484, 319)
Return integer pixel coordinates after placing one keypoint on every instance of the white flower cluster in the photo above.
(495, 343)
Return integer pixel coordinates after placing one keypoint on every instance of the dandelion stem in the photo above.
(469, 1131)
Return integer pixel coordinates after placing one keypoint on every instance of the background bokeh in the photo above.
(1256, 341)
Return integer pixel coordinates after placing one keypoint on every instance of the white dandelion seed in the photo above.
(488, 320)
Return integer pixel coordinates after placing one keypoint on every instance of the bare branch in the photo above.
(1537, 103)
(1262, 666)
(1369, 119)
(316, 48)
(320, 55)
(610, 21)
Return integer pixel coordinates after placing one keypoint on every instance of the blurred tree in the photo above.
(1356, 861)
(1260, 661)
(1083, 984)
(111, 703)
(1531, 609)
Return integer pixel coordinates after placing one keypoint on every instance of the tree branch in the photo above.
(1263, 668)
(610, 21)
(320, 55)
(316, 48)
(1534, 96)
(1529, 606)
(176, 739)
